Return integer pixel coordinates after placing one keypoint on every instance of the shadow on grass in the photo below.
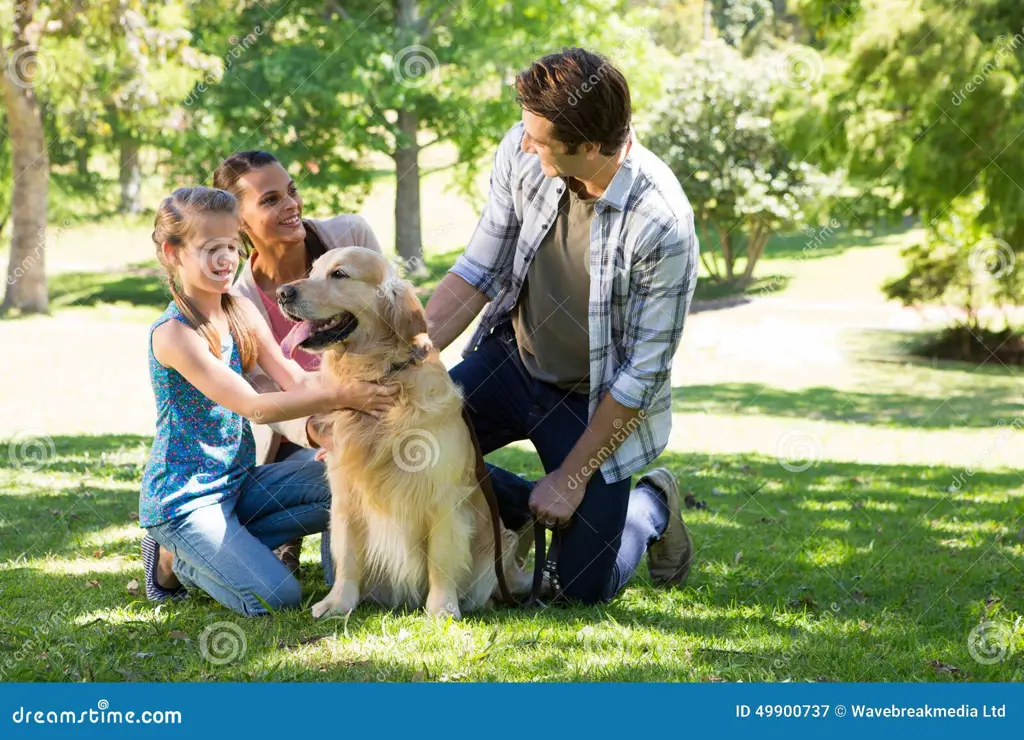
(139, 285)
(892, 345)
(983, 408)
(843, 571)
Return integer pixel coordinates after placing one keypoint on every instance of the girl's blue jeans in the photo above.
(227, 549)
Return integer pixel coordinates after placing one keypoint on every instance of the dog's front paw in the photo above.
(338, 601)
(443, 605)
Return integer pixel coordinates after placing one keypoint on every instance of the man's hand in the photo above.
(556, 497)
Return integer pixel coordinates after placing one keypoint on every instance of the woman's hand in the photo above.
(369, 398)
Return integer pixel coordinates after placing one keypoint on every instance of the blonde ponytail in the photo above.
(174, 220)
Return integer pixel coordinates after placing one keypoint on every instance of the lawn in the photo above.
(857, 515)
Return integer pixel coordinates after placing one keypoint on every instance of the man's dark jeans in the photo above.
(507, 404)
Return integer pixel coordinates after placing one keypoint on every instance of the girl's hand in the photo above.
(369, 398)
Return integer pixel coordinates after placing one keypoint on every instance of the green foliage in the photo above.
(322, 86)
(715, 130)
(959, 263)
(926, 104)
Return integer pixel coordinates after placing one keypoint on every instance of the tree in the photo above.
(21, 69)
(106, 73)
(326, 85)
(715, 130)
(942, 137)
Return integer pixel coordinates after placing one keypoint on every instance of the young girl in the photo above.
(212, 516)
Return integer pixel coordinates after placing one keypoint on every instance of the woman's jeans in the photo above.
(226, 549)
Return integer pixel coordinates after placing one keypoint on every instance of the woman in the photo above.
(282, 246)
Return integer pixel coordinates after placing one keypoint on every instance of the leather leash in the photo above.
(539, 540)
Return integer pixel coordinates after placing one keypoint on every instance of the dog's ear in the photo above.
(402, 310)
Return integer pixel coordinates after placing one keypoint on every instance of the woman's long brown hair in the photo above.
(175, 219)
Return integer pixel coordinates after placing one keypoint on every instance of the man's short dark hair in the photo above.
(583, 94)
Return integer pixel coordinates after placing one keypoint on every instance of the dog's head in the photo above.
(353, 299)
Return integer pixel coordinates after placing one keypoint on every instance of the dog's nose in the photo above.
(287, 293)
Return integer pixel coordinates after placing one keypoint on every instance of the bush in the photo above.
(715, 130)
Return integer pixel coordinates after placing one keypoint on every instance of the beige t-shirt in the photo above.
(551, 316)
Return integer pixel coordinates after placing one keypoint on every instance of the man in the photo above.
(587, 256)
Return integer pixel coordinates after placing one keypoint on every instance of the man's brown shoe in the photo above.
(288, 553)
(669, 557)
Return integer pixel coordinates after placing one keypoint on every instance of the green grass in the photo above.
(876, 562)
(841, 572)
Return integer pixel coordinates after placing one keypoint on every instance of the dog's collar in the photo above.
(419, 352)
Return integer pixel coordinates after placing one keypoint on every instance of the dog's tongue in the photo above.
(299, 334)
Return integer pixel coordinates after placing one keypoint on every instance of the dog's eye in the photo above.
(338, 274)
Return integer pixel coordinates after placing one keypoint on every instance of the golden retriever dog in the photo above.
(409, 524)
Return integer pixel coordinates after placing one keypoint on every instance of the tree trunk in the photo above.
(26, 274)
(727, 256)
(82, 155)
(758, 239)
(408, 232)
(707, 20)
(131, 177)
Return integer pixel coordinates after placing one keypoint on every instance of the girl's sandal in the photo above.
(150, 558)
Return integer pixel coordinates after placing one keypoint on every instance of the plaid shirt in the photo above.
(643, 268)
